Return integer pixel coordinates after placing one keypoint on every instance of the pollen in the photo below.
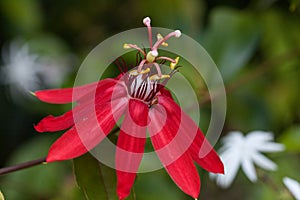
(134, 72)
(156, 77)
(126, 46)
(145, 71)
(173, 64)
(137, 72)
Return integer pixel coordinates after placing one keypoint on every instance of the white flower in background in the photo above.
(24, 71)
(245, 151)
(20, 67)
(293, 186)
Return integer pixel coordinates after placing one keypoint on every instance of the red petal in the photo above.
(131, 142)
(62, 96)
(51, 123)
(168, 140)
(165, 92)
(203, 153)
(106, 91)
(86, 134)
(200, 149)
(68, 146)
(185, 175)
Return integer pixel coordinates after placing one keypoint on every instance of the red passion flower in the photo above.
(140, 96)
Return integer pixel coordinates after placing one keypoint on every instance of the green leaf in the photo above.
(1, 196)
(96, 180)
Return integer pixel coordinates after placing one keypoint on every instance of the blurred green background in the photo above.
(255, 44)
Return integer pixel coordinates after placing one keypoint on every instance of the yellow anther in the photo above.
(151, 55)
(126, 46)
(145, 71)
(173, 65)
(155, 77)
(134, 72)
(160, 37)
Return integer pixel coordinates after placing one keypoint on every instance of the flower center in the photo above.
(145, 81)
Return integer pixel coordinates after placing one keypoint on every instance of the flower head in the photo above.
(293, 186)
(245, 151)
(138, 95)
(26, 71)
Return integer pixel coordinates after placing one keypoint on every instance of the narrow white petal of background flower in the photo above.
(245, 152)
(293, 186)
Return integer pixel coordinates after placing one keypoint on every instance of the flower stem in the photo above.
(20, 166)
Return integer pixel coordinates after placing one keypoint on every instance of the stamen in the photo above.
(147, 22)
(158, 69)
(129, 46)
(156, 77)
(139, 70)
(173, 64)
(160, 37)
(145, 71)
(176, 34)
(166, 58)
(134, 72)
(141, 65)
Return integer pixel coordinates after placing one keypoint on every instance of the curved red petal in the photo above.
(85, 106)
(201, 151)
(87, 133)
(51, 123)
(63, 96)
(185, 175)
(168, 139)
(131, 143)
(68, 146)
(107, 90)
